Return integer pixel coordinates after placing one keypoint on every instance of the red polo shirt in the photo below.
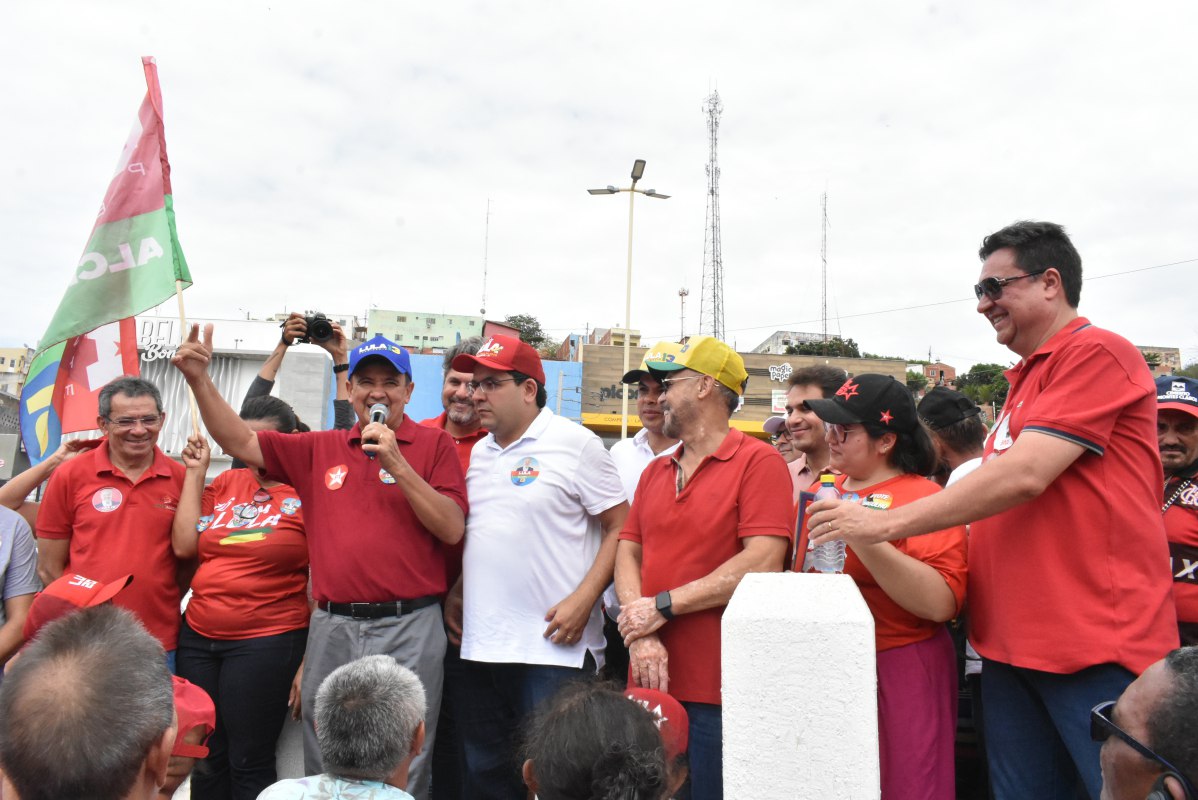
(1079, 575)
(1181, 526)
(742, 489)
(365, 543)
(117, 527)
(463, 446)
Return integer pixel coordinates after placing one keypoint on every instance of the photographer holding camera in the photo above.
(319, 330)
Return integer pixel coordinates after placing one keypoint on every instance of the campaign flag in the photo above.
(131, 263)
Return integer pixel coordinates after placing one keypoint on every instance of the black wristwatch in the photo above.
(341, 367)
(665, 606)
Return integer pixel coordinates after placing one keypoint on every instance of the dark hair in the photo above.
(1037, 246)
(83, 705)
(913, 451)
(466, 347)
(828, 379)
(542, 395)
(964, 436)
(130, 387)
(591, 742)
(1171, 724)
(267, 408)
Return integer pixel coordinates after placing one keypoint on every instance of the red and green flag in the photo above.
(131, 263)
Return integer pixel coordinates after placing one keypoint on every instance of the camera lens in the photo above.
(320, 329)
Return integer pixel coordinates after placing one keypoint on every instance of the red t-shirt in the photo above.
(943, 550)
(365, 542)
(253, 574)
(743, 489)
(463, 446)
(1077, 576)
(117, 527)
(1181, 526)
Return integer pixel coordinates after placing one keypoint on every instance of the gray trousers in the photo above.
(416, 641)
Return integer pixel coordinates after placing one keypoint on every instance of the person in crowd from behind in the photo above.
(194, 710)
(958, 432)
(1147, 735)
(911, 587)
(673, 724)
(87, 711)
(108, 512)
(591, 743)
(370, 725)
(242, 638)
(295, 327)
(1177, 438)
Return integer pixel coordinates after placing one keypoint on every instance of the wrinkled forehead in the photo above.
(127, 405)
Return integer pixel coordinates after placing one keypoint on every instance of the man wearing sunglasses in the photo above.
(546, 505)
(108, 511)
(1149, 731)
(1068, 593)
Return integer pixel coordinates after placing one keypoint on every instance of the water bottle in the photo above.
(829, 556)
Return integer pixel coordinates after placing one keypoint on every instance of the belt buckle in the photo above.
(366, 610)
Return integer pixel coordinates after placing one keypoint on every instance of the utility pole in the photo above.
(711, 305)
(682, 293)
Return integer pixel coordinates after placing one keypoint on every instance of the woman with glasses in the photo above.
(912, 586)
(243, 635)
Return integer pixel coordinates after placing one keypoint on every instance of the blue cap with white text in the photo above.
(381, 347)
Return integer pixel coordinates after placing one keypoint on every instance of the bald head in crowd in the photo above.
(87, 711)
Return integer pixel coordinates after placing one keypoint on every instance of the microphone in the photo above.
(378, 413)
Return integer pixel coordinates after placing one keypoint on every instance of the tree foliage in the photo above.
(984, 384)
(529, 327)
(916, 381)
(1189, 370)
(834, 346)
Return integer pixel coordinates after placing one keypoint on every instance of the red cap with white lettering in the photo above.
(69, 593)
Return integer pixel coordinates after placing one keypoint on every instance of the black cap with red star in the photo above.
(878, 401)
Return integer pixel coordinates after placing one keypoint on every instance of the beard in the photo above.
(464, 416)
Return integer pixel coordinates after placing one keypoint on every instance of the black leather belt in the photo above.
(393, 608)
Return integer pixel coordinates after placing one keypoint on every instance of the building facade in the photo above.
(14, 364)
(421, 331)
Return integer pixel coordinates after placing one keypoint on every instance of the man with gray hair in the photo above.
(108, 512)
(88, 711)
(370, 725)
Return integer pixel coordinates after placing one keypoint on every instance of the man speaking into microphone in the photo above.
(380, 501)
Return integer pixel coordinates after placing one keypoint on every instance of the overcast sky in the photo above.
(333, 156)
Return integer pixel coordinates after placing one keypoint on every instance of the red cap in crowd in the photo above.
(194, 708)
(503, 354)
(69, 593)
(670, 716)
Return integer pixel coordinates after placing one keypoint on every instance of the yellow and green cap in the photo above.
(706, 355)
(662, 351)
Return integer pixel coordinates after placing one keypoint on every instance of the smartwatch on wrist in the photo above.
(665, 605)
(340, 367)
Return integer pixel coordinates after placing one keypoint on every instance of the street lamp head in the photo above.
(638, 169)
(653, 193)
(608, 190)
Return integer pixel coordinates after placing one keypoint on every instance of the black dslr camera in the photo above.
(320, 329)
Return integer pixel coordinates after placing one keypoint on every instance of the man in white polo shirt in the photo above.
(546, 505)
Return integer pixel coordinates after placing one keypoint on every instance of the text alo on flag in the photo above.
(131, 263)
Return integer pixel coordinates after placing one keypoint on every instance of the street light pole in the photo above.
(638, 171)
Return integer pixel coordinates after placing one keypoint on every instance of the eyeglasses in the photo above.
(128, 423)
(488, 385)
(1102, 726)
(841, 433)
(992, 287)
(666, 383)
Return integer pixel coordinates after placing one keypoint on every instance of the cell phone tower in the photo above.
(711, 304)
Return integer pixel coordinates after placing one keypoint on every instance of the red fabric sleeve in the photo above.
(56, 513)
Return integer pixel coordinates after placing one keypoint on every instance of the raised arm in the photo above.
(229, 430)
(13, 493)
(184, 536)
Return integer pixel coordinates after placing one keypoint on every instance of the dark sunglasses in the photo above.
(1101, 728)
(992, 287)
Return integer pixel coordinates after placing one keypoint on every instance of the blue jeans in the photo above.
(497, 699)
(705, 750)
(248, 680)
(1037, 728)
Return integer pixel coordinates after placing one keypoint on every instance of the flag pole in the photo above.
(191, 398)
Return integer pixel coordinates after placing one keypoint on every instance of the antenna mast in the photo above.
(486, 251)
(823, 255)
(682, 293)
(711, 305)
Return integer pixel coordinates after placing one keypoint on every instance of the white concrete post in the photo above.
(799, 690)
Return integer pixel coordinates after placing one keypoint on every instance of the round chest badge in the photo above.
(386, 477)
(334, 479)
(527, 470)
(107, 499)
(290, 505)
